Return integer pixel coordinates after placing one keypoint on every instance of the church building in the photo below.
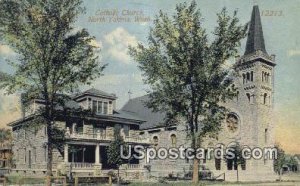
(249, 123)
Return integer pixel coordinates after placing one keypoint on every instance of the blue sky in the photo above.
(281, 38)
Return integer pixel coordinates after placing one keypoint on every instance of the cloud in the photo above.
(292, 53)
(6, 50)
(117, 42)
(119, 79)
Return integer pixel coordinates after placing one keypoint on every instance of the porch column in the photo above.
(97, 154)
(97, 166)
(66, 153)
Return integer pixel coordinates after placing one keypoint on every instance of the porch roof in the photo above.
(117, 117)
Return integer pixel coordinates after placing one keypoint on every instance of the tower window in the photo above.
(249, 97)
(155, 140)
(265, 98)
(265, 77)
(251, 76)
(173, 140)
(34, 154)
(25, 155)
(17, 154)
(237, 95)
(45, 153)
(244, 78)
(205, 156)
(266, 135)
(248, 76)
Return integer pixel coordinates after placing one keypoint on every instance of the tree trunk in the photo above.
(118, 175)
(196, 171)
(49, 151)
(237, 173)
(280, 173)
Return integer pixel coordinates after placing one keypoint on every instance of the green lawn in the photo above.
(212, 183)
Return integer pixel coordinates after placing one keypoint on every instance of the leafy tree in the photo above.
(187, 74)
(53, 58)
(292, 163)
(5, 135)
(280, 161)
(114, 151)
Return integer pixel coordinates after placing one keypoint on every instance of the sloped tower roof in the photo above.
(255, 40)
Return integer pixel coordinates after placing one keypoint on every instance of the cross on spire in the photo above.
(129, 94)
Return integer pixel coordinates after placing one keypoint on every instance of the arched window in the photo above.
(218, 163)
(237, 95)
(251, 76)
(249, 97)
(244, 78)
(266, 136)
(243, 164)
(248, 76)
(265, 77)
(173, 140)
(265, 98)
(155, 140)
(262, 76)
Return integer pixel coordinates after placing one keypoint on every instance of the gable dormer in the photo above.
(97, 101)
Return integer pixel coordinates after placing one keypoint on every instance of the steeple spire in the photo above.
(255, 40)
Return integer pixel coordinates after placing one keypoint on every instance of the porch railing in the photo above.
(108, 138)
(132, 166)
(77, 165)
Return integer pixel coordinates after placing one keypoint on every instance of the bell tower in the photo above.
(256, 77)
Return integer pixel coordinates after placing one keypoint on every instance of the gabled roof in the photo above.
(255, 40)
(136, 107)
(96, 92)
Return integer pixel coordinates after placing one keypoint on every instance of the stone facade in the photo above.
(249, 122)
(84, 151)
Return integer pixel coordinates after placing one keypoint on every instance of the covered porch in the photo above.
(91, 156)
